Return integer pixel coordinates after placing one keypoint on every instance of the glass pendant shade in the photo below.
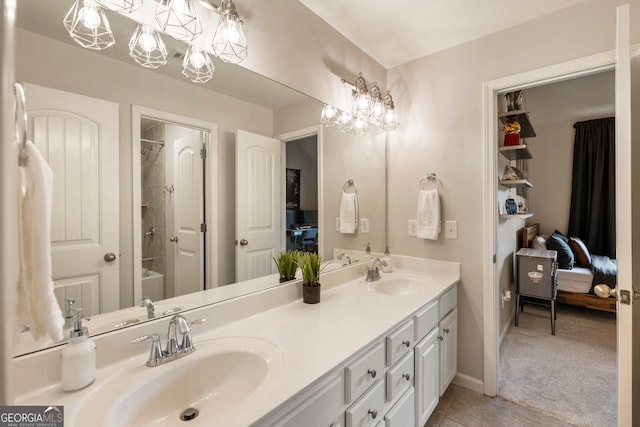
(88, 25)
(390, 119)
(229, 43)
(122, 6)
(329, 115)
(178, 18)
(362, 105)
(360, 127)
(147, 48)
(377, 107)
(197, 65)
(345, 122)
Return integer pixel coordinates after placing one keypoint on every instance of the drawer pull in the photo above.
(373, 413)
(373, 374)
(406, 376)
(446, 330)
(408, 343)
(440, 338)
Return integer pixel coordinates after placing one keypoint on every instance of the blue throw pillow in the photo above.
(565, 255)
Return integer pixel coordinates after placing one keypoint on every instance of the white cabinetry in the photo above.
(322, 407)
(448, 349)
(427, 357)
(401, 415)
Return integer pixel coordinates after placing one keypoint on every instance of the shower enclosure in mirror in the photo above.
(112, 208)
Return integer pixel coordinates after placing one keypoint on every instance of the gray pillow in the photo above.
(565, 255)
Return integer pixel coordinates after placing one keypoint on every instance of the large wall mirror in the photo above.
(157, 180)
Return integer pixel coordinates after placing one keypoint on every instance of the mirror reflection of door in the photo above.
(302, 208)
(173, 191)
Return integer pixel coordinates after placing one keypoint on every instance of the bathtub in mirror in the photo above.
(235, 100)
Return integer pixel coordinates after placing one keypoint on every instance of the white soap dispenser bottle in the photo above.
(387, 258)
(367, 251)
(78, 357)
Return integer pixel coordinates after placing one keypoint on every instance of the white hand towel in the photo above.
(428, 217)
(37, 306)
(349, 213)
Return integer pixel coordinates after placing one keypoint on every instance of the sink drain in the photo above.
(189, 414)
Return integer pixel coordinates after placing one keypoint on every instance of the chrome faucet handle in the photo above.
(373, 272)
(151, 309)
(172, 336)
(185, 330)
(155, 355)
(339, 257)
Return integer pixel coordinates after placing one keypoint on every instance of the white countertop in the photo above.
(314, 339)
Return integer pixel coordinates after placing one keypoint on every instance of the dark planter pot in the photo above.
(311, 293)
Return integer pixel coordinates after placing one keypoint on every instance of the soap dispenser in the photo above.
(78, 357)
(387, 258)
(367, 251)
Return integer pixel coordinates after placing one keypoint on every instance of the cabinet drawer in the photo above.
(323, 410)
(363, 372)
(367, 411)
(399, 378)
(401, 415)
(425, 320)
(400, 343)
(448, 301)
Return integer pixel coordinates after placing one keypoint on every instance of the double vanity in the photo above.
(375, 354)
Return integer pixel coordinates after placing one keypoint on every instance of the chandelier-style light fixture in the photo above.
(369, 107)
(229, 43)
(197, 65)
(179, 19)
(121, 6)
(88, 25)
(147, 48)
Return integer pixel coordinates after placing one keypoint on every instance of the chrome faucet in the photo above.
(343, 255)
(175, 348)
(68, 315)
(151, 309)
(373, 272)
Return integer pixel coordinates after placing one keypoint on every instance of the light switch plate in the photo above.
(451, 230)
(364, 225)
(413, 228)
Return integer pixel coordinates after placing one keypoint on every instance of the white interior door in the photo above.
(188, 214)
(627, 214)
(258, 204)
(78, 136)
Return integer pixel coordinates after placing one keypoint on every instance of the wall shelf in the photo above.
(516, 216)
(516, 183)
(516, 152)
(526, 129)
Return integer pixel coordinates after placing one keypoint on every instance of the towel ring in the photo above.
(350, 183)
(21, 120)
(430, 177)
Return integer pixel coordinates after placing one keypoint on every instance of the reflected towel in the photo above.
(37, 307)
(428, 217)
(349, 213)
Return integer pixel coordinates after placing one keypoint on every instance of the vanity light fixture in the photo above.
(88, 25)
(229, 43)
(361, 99)
(377, 106)
(329, 115)
(360, 126)
(345, 122)
(197, 65)
(179, 19)
(147, 48)
(122, 6)
(390, 117)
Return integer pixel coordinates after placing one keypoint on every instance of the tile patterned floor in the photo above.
(462, 407)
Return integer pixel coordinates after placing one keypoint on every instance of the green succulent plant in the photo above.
(287, 264)
(310, 265)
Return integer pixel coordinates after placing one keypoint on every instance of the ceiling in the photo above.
(400, 31)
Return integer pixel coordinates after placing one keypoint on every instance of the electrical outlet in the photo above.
(364, 225)
(337, 223)
(413, 228)
(451, 230)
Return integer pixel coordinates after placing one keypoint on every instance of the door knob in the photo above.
(110, 257)
(624, 296)
(174, 239)
(244, 242)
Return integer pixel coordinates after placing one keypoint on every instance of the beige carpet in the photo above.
(570, 376)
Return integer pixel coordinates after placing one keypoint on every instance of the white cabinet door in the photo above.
(448, 349)
(427, 380)
(401, 415)
(324, 410)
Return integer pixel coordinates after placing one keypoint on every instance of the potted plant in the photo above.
(310, 265)
(287, 264)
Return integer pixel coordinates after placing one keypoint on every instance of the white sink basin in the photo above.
(215, 381)
(402, 285)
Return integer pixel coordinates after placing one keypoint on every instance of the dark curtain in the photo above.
(593, 193)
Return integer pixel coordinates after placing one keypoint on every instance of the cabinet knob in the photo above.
(373, 373)
(440, 338)
(446, 330)
(373, 413)
(406, 376)
(407, 343)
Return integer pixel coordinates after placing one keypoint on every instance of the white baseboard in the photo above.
(506, 328)
(471, 383)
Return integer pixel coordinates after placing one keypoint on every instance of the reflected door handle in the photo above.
(244, 242)
(624, 296)
(110, 257)
(174, 239)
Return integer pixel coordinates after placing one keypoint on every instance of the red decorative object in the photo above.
(512, 139)
(511, 132)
